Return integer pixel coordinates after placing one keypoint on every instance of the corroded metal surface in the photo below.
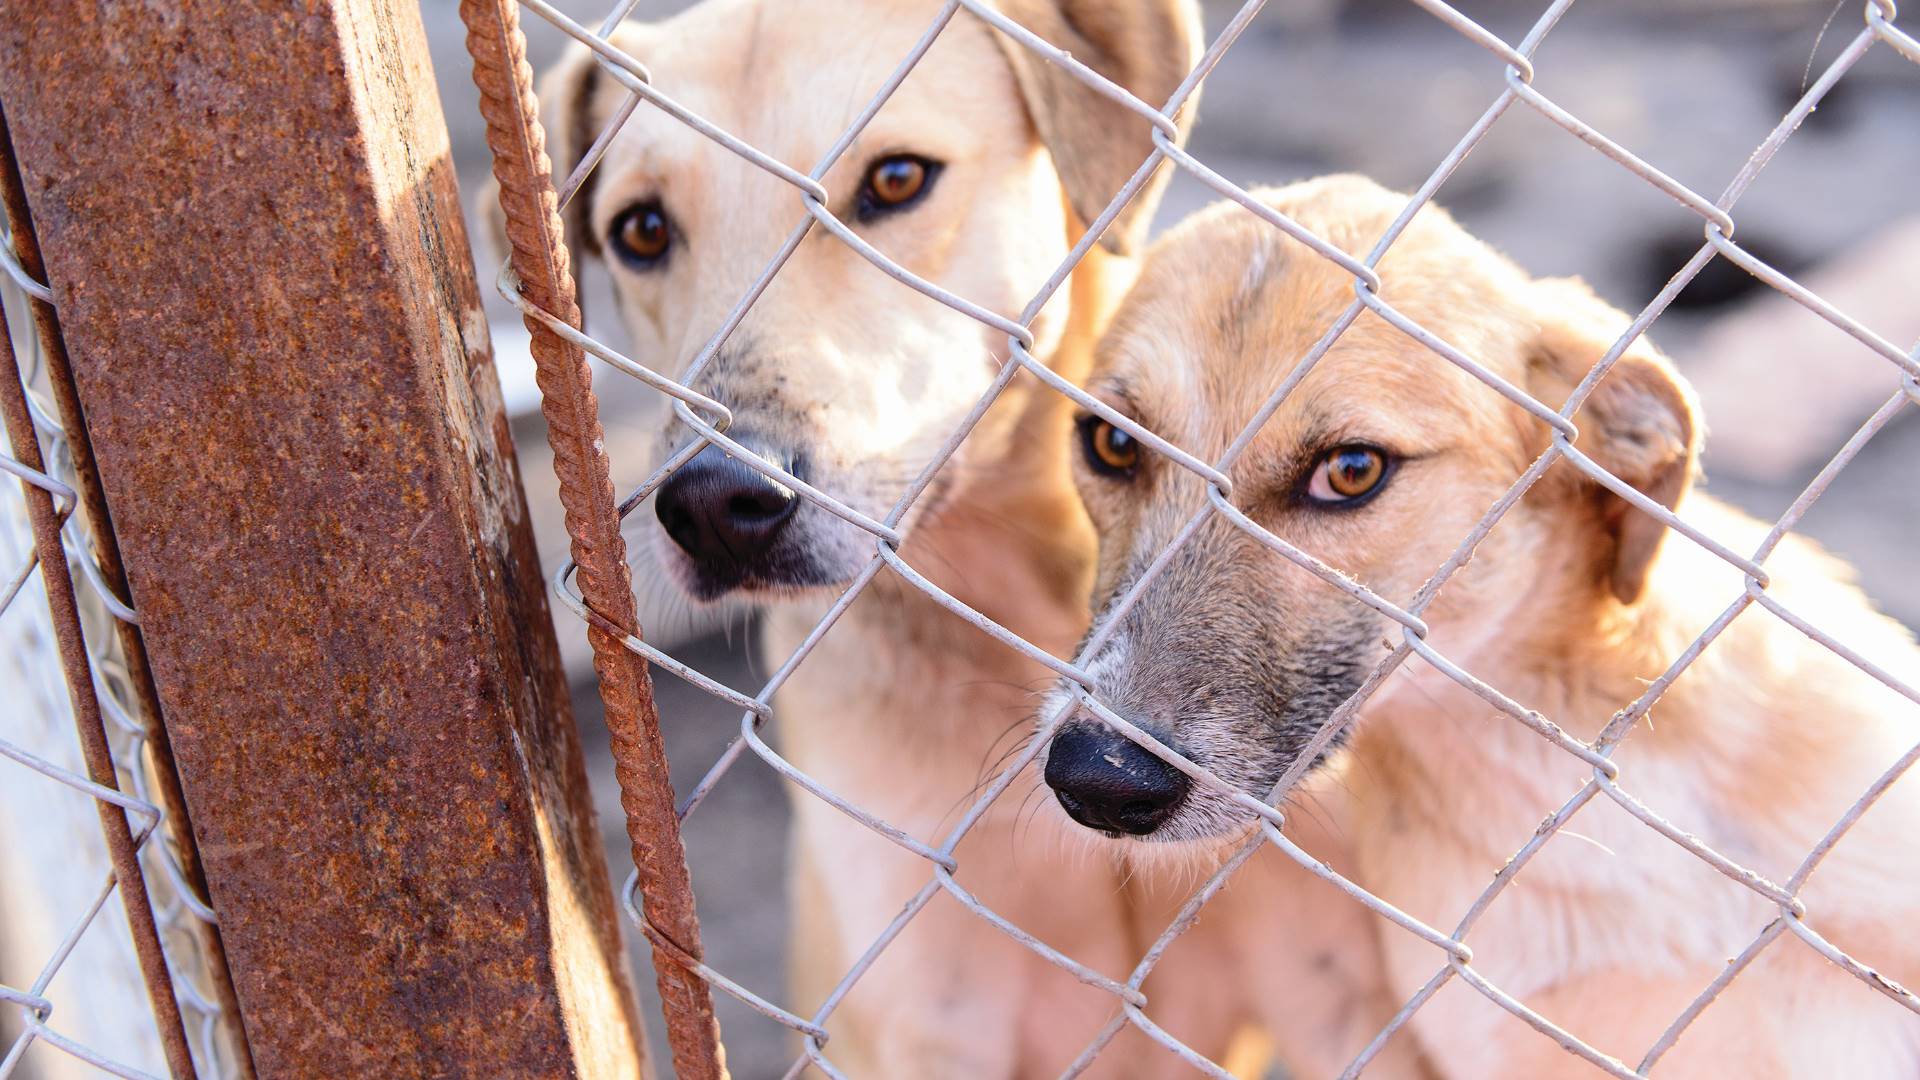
(122, 847)
(253, 236)
(106, 556)
(530, 206)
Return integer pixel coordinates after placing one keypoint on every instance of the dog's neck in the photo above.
(1578, 657)
(1574, 655)
(1011, 539)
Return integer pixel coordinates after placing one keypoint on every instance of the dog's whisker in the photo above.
(988, 770)
(1564, 831)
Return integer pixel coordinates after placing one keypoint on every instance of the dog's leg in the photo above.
(952, 995)
(1305, 956)
(919, 1010)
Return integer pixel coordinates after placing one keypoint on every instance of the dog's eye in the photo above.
(1348, 474)
(641, 235)
(895, 183)
(1109, 451)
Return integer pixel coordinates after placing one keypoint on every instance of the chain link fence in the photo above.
(539, 274)
(127, 774)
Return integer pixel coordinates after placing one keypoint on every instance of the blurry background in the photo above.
(1378, 86)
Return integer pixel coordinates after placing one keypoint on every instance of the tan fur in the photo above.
(904, 709)
(1571, 606)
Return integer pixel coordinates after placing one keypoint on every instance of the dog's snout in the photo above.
(721, 512)
(1106, 782)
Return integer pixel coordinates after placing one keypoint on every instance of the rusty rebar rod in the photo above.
(529, 204)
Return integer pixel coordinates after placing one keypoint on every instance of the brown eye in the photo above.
(1347, 473)
(894, 183)
(1109, 451)
(641, 234)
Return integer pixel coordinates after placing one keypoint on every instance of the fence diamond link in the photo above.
(707, 421)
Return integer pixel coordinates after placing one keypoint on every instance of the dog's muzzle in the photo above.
(728, 518)
(1106, 782)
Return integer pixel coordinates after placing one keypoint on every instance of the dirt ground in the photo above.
(1384, 89)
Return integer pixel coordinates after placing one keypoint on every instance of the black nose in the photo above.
(722, 513)
(1105, 782)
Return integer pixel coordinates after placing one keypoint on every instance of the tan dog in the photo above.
(1379, 462)
(978, 175)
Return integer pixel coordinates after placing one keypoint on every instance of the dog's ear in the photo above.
(571, 113)
(576, 98)
(1641, 423)
(1145, 46)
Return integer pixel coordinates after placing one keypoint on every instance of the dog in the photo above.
(1380, 460)
(979, 174)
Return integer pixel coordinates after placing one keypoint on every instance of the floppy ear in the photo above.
(576, 98)
(1641, 423)
(573, 106)
(1145, 46)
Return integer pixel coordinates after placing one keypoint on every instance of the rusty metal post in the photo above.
(251, 228)
(178, 829)
(529, 204)
(122, 849)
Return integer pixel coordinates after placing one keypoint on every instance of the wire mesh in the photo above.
(706, 421)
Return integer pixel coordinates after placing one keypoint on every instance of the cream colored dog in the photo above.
(978, 174)
(1380, 461)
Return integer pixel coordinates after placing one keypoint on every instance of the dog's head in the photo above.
(1379, 462)
(977, 175)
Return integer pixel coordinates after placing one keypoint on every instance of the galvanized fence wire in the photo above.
(708, 420)
(202, 1037)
